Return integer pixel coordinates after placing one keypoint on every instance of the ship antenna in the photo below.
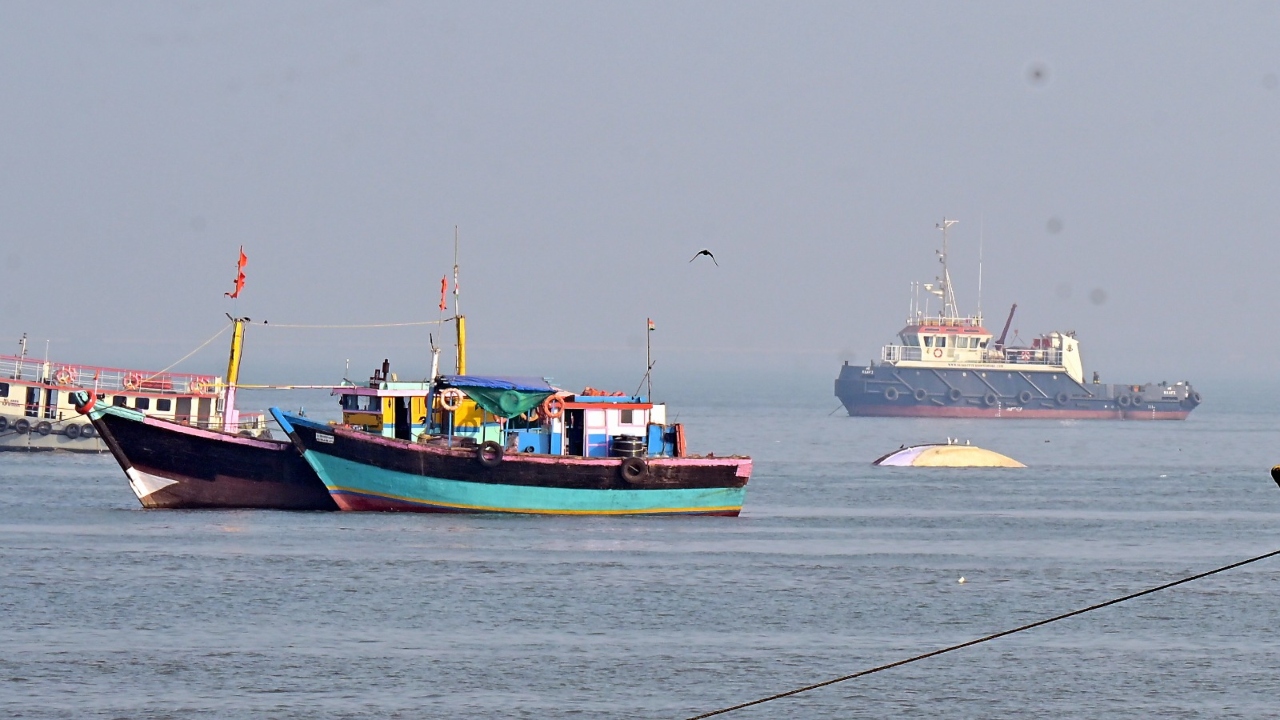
(981, 224)
(949, 296)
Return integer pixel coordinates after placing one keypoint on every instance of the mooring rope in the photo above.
(988, 638)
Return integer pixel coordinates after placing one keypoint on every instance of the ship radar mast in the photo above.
(945, 290)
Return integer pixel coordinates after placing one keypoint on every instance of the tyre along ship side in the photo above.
(948, 365)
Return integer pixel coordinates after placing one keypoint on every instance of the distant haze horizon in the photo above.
(1117, 166)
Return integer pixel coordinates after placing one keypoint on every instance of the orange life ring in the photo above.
(88, 405)
(937, 352)
(132, 381)
(65, 376)
(198, 386)
(451, 399)
(552, 407)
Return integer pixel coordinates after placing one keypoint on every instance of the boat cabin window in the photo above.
(910, 340)
(120, 401)
(928, 341)
(4, 389)
(941, 341)
(625, 417)
(142, 403)
(962, 342)
(164, 404)
(369, 403)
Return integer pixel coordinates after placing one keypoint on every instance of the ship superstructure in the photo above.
(947, 364)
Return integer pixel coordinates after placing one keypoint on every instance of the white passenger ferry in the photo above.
(36, 412)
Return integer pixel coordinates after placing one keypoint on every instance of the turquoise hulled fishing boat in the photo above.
(518, 445)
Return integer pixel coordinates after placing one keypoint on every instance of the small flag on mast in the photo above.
(444, 288)
(650, 324)
(244, 260)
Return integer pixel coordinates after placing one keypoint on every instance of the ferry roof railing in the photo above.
(1010, 356)
(105, 379)
(942, 321)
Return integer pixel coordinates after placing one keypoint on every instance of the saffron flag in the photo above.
(650, 324)
(244, 260)
(444, 288)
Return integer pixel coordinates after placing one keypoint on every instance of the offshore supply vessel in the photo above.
(948, 365)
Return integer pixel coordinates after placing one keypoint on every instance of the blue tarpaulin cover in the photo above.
(503, 396)
(497, 382)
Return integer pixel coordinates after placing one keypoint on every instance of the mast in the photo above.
(457, 312)
(648, 362)
(949, 296)
(981, 228)
(231, 418)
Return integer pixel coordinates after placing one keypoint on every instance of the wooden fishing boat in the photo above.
(515, 445)
(180, 465)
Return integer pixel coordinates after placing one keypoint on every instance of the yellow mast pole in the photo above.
(231, 418)
(457, 313)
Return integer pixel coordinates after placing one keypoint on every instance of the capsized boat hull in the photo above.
(367, 472)
(176, 466)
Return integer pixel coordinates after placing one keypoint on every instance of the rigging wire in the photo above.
(216, 335)
(987, 638)
(348, 327)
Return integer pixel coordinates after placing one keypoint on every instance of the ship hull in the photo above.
(367, 472)
(891, 391)
(175, 466)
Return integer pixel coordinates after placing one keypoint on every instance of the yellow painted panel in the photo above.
(963, 456)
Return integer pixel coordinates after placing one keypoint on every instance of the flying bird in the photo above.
(706, 252)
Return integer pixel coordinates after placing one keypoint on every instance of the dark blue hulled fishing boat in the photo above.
(517, 445)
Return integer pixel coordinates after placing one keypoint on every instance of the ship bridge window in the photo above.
(928, 341)
(941, 341)
(910, 340)
(962, 342)
(4, 389)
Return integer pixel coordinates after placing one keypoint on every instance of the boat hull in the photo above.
(890, 391)
(181, 467)
(366, 472)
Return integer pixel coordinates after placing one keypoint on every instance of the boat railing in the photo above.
(104, 379)
(941, 321)
(1012, 356)
(895, 353)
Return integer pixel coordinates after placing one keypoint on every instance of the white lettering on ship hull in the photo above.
(144, 484)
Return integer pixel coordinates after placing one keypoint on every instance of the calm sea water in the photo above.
(110, 611)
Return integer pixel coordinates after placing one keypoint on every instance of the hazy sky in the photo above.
(1121, 161)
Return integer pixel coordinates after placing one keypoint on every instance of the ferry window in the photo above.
(4, 389)
(141, 403)
(372, 403)
(626, 417)
(962, 342)
(164, 405)
(928, 341)
(983, 343)
(942, 341)
(120, 401)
